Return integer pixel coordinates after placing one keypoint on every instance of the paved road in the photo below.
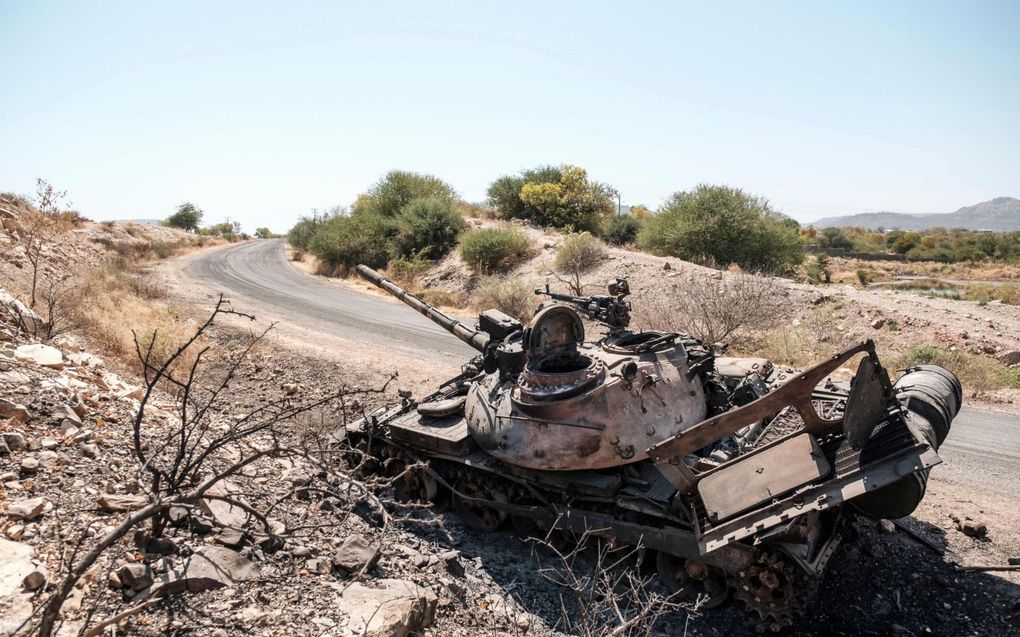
(983, 446)
(257, 275)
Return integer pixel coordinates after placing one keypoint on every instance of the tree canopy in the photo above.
(188, 217)
(725, 225)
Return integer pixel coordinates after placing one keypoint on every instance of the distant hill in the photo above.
(1000, 214)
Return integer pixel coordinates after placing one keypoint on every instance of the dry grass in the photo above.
(976, 373)
(509, 294)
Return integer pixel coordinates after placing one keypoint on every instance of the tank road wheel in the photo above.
(414, 486)
(691, 579)
(478, 515)
(674, 576)
(768, 586)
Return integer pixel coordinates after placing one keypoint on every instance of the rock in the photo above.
(42, 355)
(89, 450)
(67, 414)
(973, 528)
(14, 440)
(145, 543)
(301, 551)
(252, 616)
(877, 323)
(67, 428)
(35, 580)
(231, 538)
(135, 577)
(49, 443)
(1009, 357)
(395, 608)
(15, 565)
(13, 411)
(121, 503)
(208, 568)
(26, 509)
(29, 465)
(15, 532)
(451, 559)
(290, 388)
(666, 266)
(356, 555)
(222, 513)
(886, 526)
(319, 565)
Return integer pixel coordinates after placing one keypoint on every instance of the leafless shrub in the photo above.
(605, 593)
(178, 466)
(578, 254)
(39, 226)
(718, 307)
(508, 294)
(59, 298)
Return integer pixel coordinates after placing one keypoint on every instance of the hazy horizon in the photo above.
(261, 115)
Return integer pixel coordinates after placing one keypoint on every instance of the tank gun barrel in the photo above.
(471, 336)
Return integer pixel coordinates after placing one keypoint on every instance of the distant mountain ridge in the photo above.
(1001, 214)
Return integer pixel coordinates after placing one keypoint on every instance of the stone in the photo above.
(877, 323)
(223, 514)
(356, 555)
(208, 568)
(15, 565)
(121, 503)
(49, 442)
(29, 465)
(886, 526)
(135, 577)
(13, 411)
(42, 355)
(26, 509)
(394, 608)
(319, 565)
(973, 528)
(35, 580)
(231, 538)
(290, 388)
(1009, 357)
(145, 543)
(89, 450)
(67, 428)
(15, 532)
(15, 441)
(451, 559)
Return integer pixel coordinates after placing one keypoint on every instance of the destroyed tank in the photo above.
(738, 476)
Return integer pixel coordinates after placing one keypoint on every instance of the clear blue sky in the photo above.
(260, 112)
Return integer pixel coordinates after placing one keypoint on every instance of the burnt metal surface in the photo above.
(869, 399)
(760, 477)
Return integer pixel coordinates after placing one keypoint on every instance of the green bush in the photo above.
(398, 188)
(508, 294)
(300, 236)
(407, 271)
(344, 242)
(580, 253)
(495, 249)
(428, 228)
(561, 197)
(621, 230)
(724, 225)
(188, 217)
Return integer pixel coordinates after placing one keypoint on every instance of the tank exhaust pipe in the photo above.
(471, 336)
(931, 396)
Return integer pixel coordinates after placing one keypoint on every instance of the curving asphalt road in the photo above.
(982, 448)
(257, 275)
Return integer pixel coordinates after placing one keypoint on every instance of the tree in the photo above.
(263, 233)
(188, 217)
(38, 227)
(427, 227)
(560, 197)
(504, 194)
(725, 225)
(396, 189)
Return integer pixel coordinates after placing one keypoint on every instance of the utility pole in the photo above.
(619, 204)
